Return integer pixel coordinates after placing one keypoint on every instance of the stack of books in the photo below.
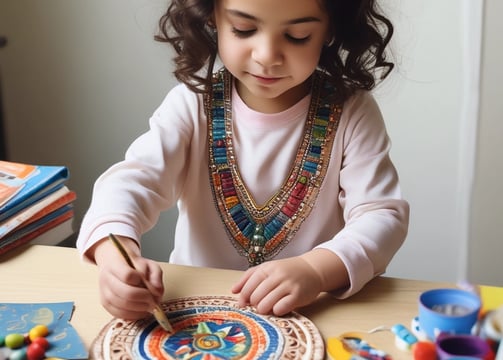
(35, 205)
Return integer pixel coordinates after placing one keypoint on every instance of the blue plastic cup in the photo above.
(452, 311)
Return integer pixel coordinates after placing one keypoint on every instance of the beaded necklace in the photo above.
(259, 233)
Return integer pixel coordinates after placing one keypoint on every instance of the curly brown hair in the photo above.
(355, 59)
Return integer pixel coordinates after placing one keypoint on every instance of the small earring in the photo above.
(330, 42)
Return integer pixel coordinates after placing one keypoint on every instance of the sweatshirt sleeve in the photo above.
(375, 214)
(128, 197)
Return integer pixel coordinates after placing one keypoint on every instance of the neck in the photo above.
(274, 105)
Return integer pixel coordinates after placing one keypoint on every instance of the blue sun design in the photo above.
(209, 340)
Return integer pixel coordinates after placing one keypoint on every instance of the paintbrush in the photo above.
(159, 315)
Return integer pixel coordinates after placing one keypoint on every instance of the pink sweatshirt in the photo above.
(359, 213)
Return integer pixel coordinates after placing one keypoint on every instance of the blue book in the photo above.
(61, 214)
(21, 185)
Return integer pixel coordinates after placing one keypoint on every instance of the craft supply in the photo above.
(14, 340)
(211, 327)
(454, 346)
(352, 345)
(448, 310)
(38, 331)
(35, 351)
(30, 346)
(424, 350)
(18, 354)
(159, 315)
(45, 324)
(42, 341)
(404, 339)
(491, 328)
(492, 297)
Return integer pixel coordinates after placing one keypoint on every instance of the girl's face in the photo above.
(271, 47)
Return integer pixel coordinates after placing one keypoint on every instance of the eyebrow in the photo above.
(289, 22)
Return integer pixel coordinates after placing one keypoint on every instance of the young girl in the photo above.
(278, 162)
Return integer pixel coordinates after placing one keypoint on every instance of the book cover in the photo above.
(37, 210)
(54, 235)
(24, 184)
(30, 232)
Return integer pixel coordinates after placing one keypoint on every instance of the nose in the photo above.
(267, 51)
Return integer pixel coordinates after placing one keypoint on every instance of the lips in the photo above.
(266, 79)
(263, 77)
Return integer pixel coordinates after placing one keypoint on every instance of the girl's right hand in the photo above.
(122, 290)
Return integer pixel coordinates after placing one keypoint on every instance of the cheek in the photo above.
(229, 48)
(307, 57)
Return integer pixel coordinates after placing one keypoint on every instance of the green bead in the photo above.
(19, 354)
(2, 341)
(14, 341)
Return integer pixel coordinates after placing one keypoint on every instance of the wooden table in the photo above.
(37, 273)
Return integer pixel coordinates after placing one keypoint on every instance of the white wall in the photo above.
(423, 104)
(81, 78)
(486, 245)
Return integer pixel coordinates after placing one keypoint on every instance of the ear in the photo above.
(211, 21)
(210, 25)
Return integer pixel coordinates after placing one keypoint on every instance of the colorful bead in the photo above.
(35, 340)
(403, 336)
(424, 350)
(284, 213)
(35, 351)
(38, 331)
(42, 341)
(14, 340)
(18, 354)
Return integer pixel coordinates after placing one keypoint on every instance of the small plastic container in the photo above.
(461, 347)
(452, 311)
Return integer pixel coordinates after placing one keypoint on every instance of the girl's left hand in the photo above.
(279, 286)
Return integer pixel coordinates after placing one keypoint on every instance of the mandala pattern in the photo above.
(210, 328)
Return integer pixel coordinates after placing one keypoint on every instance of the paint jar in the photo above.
(461, 347)
(452, 311)
(492, 329)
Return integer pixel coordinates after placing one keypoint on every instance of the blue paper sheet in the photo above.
(64, 340)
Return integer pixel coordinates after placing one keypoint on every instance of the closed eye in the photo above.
(296, 40)
(243, 33)
(247, 33)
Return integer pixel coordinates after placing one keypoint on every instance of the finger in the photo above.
(138, 286)
(238, 287)
(131, 277)
(126, 288)
(285, 305)
(127, 296)
(125, 313)
(249, 287)
(265, 297)
(265, 292)
(155, 279)
(151, 276)
(123, 306)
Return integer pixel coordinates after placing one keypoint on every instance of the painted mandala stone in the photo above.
(212, 332)
(210, 328)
